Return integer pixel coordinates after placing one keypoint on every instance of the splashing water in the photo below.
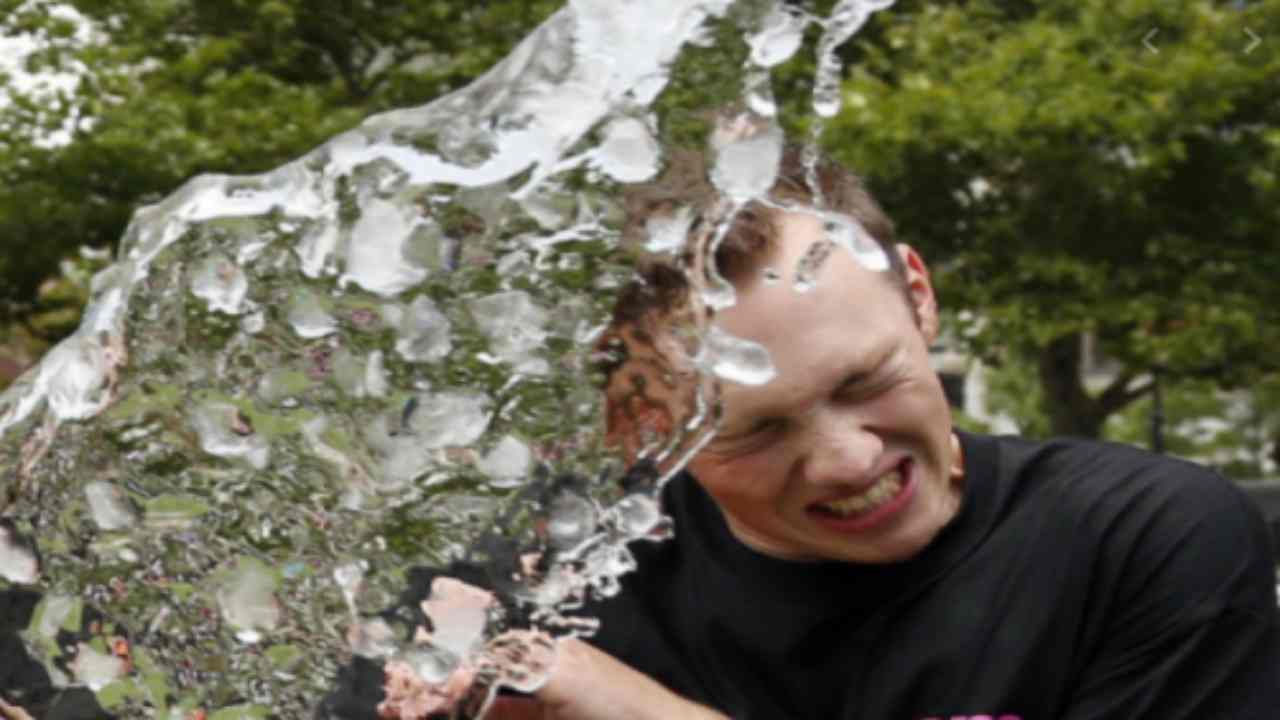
(246, 596)
(667, 233)
(746, 153)
(846, 233)
(781, 33)
(292, 388)
(736, 359)
(18, 563)
(845, 20)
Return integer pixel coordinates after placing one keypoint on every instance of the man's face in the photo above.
(848, 454)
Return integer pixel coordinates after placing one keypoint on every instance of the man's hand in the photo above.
(570, 679)
(588, 684)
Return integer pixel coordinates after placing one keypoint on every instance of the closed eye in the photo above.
(759, 432)
(861, 387)
(767, 425)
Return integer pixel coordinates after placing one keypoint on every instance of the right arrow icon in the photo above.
(1254, 41)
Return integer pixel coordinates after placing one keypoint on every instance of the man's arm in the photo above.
(588, 684)
(1194, 629)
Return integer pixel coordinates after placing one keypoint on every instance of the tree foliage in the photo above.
(1061, 178)
(1065, 179)
(171, 89)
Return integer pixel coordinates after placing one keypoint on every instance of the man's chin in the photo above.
(895, 547)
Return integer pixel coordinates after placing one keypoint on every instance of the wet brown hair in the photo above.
(660, 291)
(661, 284)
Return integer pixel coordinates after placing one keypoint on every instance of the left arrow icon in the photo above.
(1146, 40)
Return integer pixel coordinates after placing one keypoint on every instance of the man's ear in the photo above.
(920, 291)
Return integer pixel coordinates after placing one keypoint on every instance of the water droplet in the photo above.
(569, 262)
(75, 375)
(759, 93)
(109, 507)
(849, 234)
(221, 284)
(735, 359)
(359, 377)
(450, 419)
(746, 152)
(425, 332)
(350, 578)
(378, 258)
(719, 294)
(628, 152)
(515, 326)
(253, 323)
(308, 317)
(605, 564)
(507, 463)
(18, 562)
(637, 515)
(433, 665)
(826, 100)
(570, 520)
(224, 432)
(375, 376)
(667, 232)
(373, 639)
(246, 596)
(779, 37)
(95, 669)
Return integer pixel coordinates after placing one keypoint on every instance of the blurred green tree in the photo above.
(167, 90)
(1062, 177)
(1066, 178)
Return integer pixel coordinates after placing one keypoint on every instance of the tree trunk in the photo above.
(1070, 409)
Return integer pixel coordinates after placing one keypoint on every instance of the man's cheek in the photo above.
(748, 479)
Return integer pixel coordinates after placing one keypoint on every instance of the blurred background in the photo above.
(1094, 182)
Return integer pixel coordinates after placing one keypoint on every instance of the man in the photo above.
(842, 552)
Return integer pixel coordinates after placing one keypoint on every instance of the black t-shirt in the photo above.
(1079, 580)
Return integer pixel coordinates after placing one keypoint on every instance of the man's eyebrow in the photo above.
(857, 377)
(870, 370)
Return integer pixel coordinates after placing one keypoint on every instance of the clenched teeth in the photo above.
(884, 490)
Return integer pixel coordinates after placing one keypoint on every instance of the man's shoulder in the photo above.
(1161, 524)
(1110, 472)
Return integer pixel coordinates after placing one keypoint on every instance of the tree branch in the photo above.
(1118, 393)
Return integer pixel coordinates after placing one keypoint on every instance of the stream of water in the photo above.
(291, 388)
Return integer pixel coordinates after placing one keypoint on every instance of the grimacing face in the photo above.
(848, 454)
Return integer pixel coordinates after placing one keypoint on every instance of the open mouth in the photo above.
(889, 494)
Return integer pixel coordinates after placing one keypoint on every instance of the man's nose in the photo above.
(841, 449)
